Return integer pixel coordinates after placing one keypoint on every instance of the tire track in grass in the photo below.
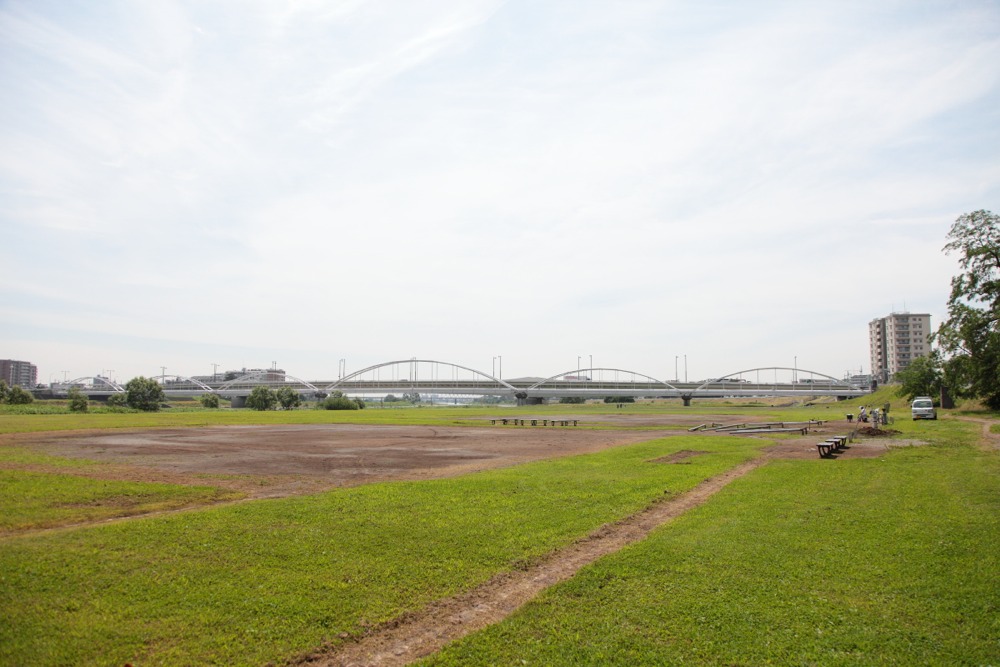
(421, 633)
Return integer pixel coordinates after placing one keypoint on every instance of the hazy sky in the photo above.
(240, 183)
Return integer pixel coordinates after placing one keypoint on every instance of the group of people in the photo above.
(875, 415)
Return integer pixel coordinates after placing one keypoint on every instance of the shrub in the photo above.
(19, 396)
(209, 400)
(337, 401)
(78, 401)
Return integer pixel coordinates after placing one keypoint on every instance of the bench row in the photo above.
(834, 443)
(534, 422)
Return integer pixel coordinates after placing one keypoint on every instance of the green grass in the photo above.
(11, 422)
(263, 581)
(63, 492)
(880, 561)
(888, 561)
(11, 455)
(33, 500)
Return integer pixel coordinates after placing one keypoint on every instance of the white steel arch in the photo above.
(113, 386)
(254, 377)
(347, 380)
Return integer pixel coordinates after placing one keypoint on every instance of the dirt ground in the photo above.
(273, 461)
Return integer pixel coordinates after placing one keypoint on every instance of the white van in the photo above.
(923, 408)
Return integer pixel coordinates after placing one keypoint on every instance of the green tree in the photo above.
(142, 393)
(262, 398)
(412, 397)
(209, 400)
(288, 398)
(117, 401)
(19, 396)
(923, 377)
(4, 392)
(970, 337)
(78, 401)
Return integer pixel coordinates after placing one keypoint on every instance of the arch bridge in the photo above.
(426, 376)
(445, 379)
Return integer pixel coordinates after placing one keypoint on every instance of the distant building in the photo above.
(20, 373)
(895, 341)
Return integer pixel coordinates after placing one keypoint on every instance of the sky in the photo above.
(218, 184)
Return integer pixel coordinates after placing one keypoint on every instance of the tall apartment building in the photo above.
(896, 340)
(20, 373)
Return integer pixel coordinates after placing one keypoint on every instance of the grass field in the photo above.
(890, 560)
(433, 416)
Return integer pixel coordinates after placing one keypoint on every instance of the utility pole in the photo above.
(215, 372)
(163, 371)
(685, 368)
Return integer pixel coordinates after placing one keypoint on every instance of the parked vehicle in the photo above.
(923, 408)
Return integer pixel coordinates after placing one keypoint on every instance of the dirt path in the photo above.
(415, 636)
(988, 439)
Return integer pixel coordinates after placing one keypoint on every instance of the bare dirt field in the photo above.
(270, 461)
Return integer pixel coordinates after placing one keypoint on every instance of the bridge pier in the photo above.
(687, 400)
(239, 402)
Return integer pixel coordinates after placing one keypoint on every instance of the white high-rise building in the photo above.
(897, 340)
